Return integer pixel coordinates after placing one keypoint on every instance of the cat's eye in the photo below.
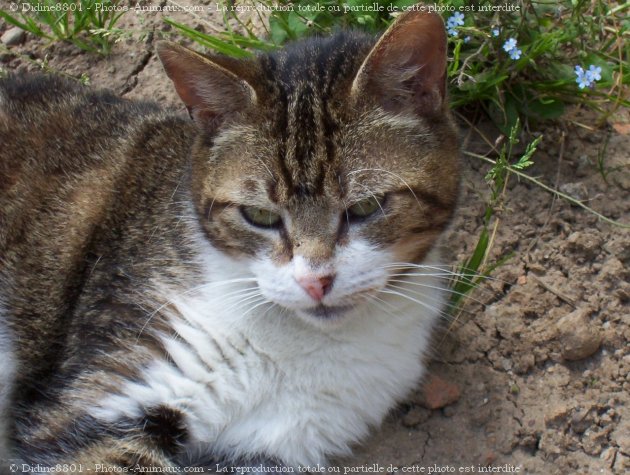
(366, 207)
(260, 217)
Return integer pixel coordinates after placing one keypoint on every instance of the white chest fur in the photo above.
(269, 383)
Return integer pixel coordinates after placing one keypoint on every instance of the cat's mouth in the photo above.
(327, 312)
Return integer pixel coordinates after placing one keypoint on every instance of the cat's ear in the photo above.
(210, 91)
(406, 69)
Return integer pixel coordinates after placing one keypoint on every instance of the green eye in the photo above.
(260, 217)
(366, 207)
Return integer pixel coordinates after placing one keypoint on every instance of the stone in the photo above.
(589, 244)
(577, 335)
(579, 191)
(438, 393)
(416, 416)
(552, 443)
(13, 36)
(523, 363)
(557, 417)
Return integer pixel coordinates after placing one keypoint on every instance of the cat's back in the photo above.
(68, 147)
(51, 126)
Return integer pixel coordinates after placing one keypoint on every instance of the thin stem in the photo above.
(552, 190)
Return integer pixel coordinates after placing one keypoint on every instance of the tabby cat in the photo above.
(253, 287)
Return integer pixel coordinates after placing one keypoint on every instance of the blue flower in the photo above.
(583, 82)
(467, 39)
(509, 45)
(594, 73)
(582, 78)
(515, 53)
(587, 78)
(456, 19)
(496, 32)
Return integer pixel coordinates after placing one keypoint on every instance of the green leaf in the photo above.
(546, 109)
(525, 160)
(29, 26)
(210, 41)
(297, 25)
(278, 31)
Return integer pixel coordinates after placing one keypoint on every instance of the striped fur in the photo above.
(153, 323)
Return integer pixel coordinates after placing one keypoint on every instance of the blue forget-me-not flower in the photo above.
(594, 73)
(510, 47)
(515, 53)
(455, 20)
(586, 78)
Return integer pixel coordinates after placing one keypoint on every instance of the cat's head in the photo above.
(328, 165)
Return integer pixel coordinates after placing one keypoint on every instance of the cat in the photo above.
(253, 287)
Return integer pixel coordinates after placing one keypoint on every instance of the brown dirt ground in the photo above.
(541, 354)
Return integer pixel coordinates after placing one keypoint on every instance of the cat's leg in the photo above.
(111, 455)
(135, 452)
(126, 455)
(56, 436)
(7, 371)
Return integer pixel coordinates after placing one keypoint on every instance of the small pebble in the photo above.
(588, 244)
(438, 393)
(576, 190)
(557, 416)
(13, 36)
(577, 335)
(416, 416)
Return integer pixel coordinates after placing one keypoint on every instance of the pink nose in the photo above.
(316, 287)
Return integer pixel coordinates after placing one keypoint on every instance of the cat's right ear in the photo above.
(211, 92)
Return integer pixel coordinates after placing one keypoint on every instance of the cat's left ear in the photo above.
(211, 91)
(406, 69)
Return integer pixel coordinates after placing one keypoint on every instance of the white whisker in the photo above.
(419, 302)
(187, 293)
(445, 289)
(437, 301)
(249, 297)
(390, 173)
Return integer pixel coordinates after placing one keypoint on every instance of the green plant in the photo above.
(547, 74)
(89, 24)
(477, 267)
